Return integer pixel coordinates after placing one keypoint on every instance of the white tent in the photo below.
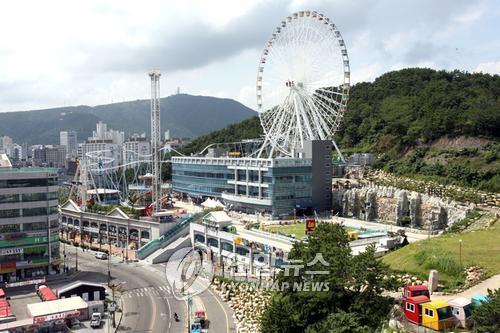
(210, 203)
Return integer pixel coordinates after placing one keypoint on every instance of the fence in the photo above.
(166, 238)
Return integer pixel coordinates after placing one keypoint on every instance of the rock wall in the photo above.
(400, 207)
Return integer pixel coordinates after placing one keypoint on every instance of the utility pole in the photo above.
(64, 256)
(114, 305)
(109, 271)
(76, 259)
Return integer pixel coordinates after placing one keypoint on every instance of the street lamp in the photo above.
(460, 251)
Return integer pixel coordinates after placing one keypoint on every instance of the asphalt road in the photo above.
(148, 304)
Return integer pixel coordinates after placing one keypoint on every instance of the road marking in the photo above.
(222, 306)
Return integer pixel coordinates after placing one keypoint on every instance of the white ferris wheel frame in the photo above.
(308, 111)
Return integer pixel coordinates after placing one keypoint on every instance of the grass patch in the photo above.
(298, 229)
(481, 248)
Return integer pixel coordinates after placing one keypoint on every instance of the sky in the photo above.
(64, 53)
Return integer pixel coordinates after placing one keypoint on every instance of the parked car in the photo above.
(101, 255)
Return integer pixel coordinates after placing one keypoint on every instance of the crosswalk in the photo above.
(159, 291)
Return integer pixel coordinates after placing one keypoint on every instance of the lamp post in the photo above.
(64, 257)
(109, 271)
(460, 251)
(76, 259)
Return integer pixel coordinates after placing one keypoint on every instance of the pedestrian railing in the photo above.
(166, 238)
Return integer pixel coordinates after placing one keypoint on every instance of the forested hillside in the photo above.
(420, 122)
(185, 115)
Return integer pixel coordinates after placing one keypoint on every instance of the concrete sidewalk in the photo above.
(480, 288)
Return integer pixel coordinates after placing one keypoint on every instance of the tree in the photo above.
(487, 316)
(352, 299)
(340, 322)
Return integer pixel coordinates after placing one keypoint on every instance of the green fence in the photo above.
(164, 239)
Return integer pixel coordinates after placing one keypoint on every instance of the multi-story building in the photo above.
(50, 155)
(107, 144)
(136, 148)
(69, 140)
(29, 228)
(110, 152)
(55, 156)
(103, 133)
(277, 186)
(6, 144)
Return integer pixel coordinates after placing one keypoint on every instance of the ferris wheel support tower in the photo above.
(155, 139)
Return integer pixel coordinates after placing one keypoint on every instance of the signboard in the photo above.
(6, 252)
(310, 225)
(24, 283)
(56, 316)
(7, 267)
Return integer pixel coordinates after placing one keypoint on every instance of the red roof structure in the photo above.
(5, 310)
(46, 294)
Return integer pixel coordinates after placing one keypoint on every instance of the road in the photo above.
(148, 304)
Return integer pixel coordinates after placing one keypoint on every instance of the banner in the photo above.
(6, 252)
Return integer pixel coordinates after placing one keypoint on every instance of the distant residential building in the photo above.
(24, 151)
(69, 140)
(176, 143)
(29, 227)
(55, 156)
(50, 155)
(6, 145)
(102, 133)
(105, 149)
(106, 143)
(136, 148)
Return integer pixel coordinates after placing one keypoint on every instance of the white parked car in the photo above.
(101, 255)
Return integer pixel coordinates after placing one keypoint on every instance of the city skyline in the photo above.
(214, 48)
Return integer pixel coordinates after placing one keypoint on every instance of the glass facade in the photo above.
(272, 189)
(201, 180)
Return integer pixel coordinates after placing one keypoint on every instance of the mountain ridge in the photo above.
(185, 115)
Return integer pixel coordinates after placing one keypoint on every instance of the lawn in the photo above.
(479, 248)
(298, 229)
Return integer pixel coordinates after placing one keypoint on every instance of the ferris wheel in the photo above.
(303, 81)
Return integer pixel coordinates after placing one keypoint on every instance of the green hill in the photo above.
(420, 122)
(185, 115)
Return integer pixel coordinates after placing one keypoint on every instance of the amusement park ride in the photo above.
(100, 180)
(303, 81)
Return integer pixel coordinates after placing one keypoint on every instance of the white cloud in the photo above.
(93, 52)
(247, 96)
(492, 67)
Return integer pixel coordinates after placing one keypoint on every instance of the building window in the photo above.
(410, 307)
(9, 213)
(10, 228)
(6, 198)
(429, 312)
(34, 226)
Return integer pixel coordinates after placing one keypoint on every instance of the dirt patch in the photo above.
(459, 142)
